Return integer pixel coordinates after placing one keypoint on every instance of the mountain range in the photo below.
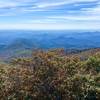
(14, 41)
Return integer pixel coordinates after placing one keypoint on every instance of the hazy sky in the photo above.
(49, 14)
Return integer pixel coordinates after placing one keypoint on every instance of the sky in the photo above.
(50, 14)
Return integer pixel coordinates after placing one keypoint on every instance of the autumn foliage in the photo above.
(51, 75)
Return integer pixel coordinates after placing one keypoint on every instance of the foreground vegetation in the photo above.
(51, 75)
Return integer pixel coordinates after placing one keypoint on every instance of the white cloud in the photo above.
(61, 2)
(94, 10)
(31, 10)
(77, 18)
(48, 26)
(86, 18)
(8, 4)
(39, 4)
(44, 21)
(44, 5)
(7, 14)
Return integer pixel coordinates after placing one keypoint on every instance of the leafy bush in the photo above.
(50, 75)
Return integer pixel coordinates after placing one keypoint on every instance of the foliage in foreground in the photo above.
(51, 75)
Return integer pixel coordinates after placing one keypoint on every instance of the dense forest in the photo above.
(52, 75)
